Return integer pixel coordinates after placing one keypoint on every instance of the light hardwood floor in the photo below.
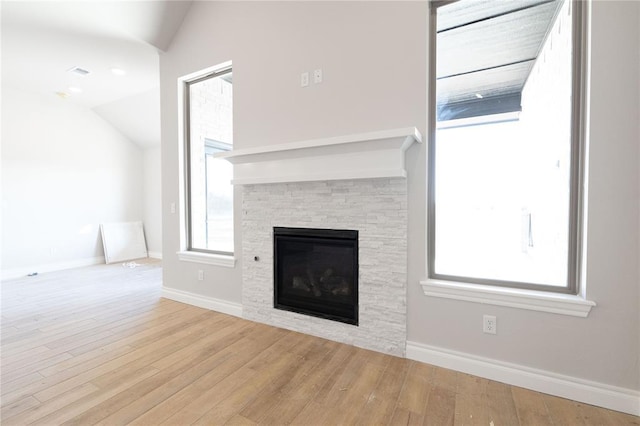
(99, 345)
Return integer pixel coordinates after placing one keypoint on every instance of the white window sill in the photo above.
(563, 304)
(207, 258)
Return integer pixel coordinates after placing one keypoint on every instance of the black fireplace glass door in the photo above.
(316, 272)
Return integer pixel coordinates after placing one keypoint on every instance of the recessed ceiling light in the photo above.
(118, 71)
(79, 71)
(75, 89)
(479, 96)
(62, 95)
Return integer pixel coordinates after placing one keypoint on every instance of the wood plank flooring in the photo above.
(98, 345)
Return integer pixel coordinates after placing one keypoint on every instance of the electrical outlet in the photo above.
(489, 324)
(304, 79)
(173, 207)
(200, 275)
(317, 76)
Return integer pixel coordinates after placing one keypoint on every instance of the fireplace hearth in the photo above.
(316, 272)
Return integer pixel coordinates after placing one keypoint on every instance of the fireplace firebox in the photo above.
(316, 272)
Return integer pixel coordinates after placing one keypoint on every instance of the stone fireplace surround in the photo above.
(364, 188)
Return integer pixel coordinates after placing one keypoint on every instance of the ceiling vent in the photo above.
(79, 71)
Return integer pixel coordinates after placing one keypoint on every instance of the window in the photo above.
(209, 192)
(505, 154)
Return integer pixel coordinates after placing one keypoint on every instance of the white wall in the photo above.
(152, 200)
(64, 171)
(604, 347)
(374, 56)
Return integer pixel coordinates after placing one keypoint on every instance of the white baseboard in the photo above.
(594, 393)
(206, 302)
(155, 254)
(9, 274)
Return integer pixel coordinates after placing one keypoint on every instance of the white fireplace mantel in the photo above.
(377, 154)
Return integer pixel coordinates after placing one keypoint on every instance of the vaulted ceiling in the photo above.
(42, 40)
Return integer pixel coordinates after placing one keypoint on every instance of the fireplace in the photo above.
(316, 272)
(354, 182)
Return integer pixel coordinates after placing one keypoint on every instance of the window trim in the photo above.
(207, 258)
(187, 251)
(532, 300)
(575, 277)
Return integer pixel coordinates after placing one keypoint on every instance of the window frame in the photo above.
(578, 148)
(184, 85)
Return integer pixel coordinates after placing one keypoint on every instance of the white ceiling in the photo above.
(133, 115)
(41, 40)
